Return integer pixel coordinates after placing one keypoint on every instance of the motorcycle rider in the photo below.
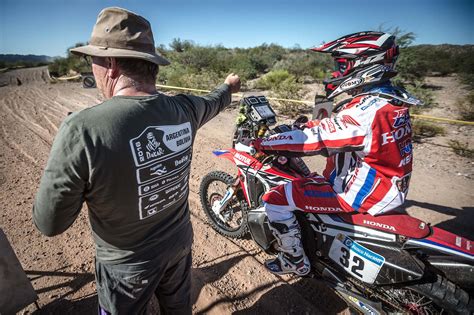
(368, 145)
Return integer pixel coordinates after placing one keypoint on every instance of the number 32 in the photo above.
(345, 261)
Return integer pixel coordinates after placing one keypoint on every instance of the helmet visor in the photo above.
(340, 65)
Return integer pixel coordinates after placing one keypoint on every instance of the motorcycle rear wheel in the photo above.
(446, 295)
(437, 295)
(213, 187)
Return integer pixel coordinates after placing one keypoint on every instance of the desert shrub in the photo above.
(62, 66)
(415, 62)
(178, 75)
(426, 95)
(204, 80)
(264, 57)
(273, 80)
(172, 74)
(423, 129)
(410, 67)
(285, 86)
(466, 107)
(241, 65)
(468, 79)
(180, 45)
(288, 89)
(461, 148)
(305, 63)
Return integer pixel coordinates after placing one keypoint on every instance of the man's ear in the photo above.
(113, 71)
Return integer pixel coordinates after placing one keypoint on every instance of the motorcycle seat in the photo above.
(396, 223)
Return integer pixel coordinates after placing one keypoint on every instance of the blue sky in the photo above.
(50, 26)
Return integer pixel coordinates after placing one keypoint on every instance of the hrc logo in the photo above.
(401, 118)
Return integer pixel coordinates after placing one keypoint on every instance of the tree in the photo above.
(404, 39)
(179, 45)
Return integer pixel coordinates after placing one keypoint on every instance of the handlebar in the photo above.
(245, 148)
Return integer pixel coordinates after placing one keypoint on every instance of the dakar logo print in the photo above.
(152, 144)
(153, 147)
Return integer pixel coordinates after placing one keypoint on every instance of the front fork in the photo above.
(219, 205)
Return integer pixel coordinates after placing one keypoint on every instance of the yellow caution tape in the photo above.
(236, 94)
(181, 88)
(75, 77)
(454, 121)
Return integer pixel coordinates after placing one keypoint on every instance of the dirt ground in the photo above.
(228, 276)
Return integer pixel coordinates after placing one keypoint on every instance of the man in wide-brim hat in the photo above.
(129, 159)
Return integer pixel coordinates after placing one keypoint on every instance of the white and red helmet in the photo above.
(357, 52)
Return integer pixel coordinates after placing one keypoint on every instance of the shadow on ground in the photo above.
(461, 224)
(277, 298)
(86, 305)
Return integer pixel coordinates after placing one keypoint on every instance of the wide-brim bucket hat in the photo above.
(122, 34)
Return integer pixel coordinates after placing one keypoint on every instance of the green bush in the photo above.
(423, 129)
(461, 149)
(305, 63)
(204, 81)
(421, 93)
(62, 66)
(418, 61)
(273, 80)
(283, 85)
(288, 89)
(466, 107)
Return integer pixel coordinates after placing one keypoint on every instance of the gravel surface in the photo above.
(228, 276)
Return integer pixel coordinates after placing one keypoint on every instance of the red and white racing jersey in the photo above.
(369, 151)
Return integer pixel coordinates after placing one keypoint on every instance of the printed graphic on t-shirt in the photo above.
(162, 156)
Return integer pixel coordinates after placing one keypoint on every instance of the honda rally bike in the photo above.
(392, 263)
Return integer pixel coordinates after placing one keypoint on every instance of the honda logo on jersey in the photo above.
(348, 120)
(395, 135)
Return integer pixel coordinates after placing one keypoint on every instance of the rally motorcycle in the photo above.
(378, 265)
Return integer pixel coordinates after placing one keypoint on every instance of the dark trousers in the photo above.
(127, 288)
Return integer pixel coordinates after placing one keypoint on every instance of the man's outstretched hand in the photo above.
(233, 81)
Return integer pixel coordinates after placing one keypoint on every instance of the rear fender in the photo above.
(456, 269)
(442, 241)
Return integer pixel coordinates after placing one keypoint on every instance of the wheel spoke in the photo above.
(231, 218)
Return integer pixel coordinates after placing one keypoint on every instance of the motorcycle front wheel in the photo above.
(234, 217)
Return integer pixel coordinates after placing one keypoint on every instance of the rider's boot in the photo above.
(291, 258)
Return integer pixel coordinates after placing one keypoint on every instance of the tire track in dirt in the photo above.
(228, 275)
(302, 290)
(15, 147)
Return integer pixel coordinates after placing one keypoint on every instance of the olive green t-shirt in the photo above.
(129, 159)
